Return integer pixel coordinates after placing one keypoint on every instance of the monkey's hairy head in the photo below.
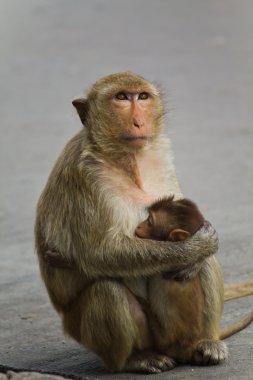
(122, 111)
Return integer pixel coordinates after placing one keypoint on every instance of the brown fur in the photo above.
(171, 220)
(98, 191)
(184, 328)
(182, 325)
(182, 214)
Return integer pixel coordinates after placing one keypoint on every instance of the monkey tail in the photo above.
(236, 327)
(239, 290)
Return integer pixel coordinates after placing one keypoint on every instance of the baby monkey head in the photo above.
(171, 220)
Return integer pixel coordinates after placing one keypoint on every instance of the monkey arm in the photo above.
(178, 272)
(124, 256)
(128, 257)
(99, 254)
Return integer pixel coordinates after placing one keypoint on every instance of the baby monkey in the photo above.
(180, 330)
(176, 330)
(171, 220)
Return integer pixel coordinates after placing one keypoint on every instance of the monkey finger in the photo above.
(208, 229)
(170, 274)
(150, 362)
(210, 352)
(207, 237)
(183, 274)
(188, 273)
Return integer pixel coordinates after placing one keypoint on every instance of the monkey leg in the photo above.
(176, 316)
(108, 319)
(210, 349)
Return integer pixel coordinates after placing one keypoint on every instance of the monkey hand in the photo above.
(204, 243)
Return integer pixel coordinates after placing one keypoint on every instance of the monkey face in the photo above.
(122, 112)
(133, 110)
(161, 225)
(145, 230)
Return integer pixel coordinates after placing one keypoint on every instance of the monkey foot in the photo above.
(210, 352)
(149, 362)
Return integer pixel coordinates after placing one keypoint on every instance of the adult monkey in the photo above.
(95, 197)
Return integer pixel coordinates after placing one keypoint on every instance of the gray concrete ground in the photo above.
(202, 54)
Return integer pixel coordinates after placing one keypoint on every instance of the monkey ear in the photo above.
(178, 235)
(81, 105)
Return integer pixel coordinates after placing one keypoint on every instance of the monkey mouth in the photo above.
(139, 235)
(135, 138)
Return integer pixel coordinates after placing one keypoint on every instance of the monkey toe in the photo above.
(210, 352)
(162, 362)
(148, 362)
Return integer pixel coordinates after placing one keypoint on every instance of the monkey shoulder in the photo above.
(65, 188)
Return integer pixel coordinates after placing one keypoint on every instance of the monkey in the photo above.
(97, 193)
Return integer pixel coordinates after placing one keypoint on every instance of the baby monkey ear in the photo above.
(81, 105)
(178, 235)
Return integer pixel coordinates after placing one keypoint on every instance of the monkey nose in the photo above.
(137, 123)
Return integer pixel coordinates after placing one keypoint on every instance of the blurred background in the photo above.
(200, 53)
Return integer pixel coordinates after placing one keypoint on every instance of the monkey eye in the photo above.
(150, 222)
(121, 96)
(143, 96)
